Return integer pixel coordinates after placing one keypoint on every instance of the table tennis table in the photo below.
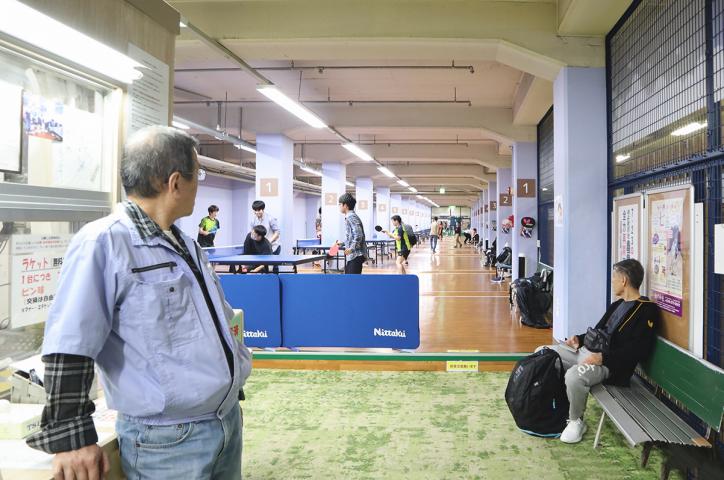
(270, 260)
(380, 245)
(304, 245)
(234, 255)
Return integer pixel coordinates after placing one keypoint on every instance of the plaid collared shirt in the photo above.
(67, 422)
(355, 236)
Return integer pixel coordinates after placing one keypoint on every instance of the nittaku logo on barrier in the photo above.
(379, 332)
(256, 334)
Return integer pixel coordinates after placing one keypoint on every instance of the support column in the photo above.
(383, 208)
(364, 194)
(492, 211)
(504, 211)
(396, 203)
(333, 186)
(525, 204)
(274, 183)
(581, 197)
(406, 212)
(484, 218)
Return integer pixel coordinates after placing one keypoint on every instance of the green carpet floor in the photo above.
(411, 425)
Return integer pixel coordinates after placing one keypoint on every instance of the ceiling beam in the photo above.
(520, 34)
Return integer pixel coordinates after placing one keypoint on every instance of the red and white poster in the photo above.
(35, 266)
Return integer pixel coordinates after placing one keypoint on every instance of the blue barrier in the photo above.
(258, 296)
(362, 311)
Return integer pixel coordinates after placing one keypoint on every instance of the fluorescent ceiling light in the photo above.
(182, 24)
(180, 125)
(545, 189)
(412, 189)
(31, 26)
(386, 171)
(311, 170)
(420, 197)
(295, 108)
(442, 190)
(358, 152)
(349, 184)
(403, 183)
(690, 128)
(622, 158)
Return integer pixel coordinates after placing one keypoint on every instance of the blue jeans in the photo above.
(433, 242)
(208, 450)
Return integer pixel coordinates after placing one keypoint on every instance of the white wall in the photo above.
(312, 204)
(306, 207)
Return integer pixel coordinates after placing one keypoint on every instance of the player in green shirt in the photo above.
(208, 227)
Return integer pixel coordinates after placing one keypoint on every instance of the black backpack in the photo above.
(536, 394)
(533, 302)
(410, 234)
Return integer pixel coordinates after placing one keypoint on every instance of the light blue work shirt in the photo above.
(149, 331)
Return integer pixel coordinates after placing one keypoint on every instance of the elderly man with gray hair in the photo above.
(137, 298)
(609, 352)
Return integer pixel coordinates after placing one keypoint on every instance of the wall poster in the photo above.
(668, 262)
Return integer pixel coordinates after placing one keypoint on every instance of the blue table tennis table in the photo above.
(234, 255)
(379, 244)
(303, 245)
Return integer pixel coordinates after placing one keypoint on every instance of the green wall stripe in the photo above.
(395, 357)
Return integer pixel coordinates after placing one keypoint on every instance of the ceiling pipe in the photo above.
(232, 171)
(216, 45)
(219, 47)
(322, 68)
(351, 103)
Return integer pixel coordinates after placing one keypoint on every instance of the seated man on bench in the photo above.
(628, 328)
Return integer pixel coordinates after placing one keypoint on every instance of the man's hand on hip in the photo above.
(87, 463)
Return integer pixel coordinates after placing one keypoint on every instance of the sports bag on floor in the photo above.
(536, 394)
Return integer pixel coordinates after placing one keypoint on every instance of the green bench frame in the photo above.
(642, 418)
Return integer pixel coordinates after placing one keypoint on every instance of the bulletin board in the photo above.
(668, 251)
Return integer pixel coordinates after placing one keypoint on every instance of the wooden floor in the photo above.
(460, 310)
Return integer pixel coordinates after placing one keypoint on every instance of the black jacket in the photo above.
(631, 342)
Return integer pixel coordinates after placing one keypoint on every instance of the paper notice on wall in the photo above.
(148, 97)
(35, 266)
(666, 275)
(558, 210)
(10, 126)
(628, 232)
(77, 160)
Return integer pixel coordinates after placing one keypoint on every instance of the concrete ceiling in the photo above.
(438, 90)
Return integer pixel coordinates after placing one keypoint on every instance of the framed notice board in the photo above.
(669, 267)
(628, 228)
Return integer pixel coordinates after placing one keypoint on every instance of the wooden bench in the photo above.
(643, 418)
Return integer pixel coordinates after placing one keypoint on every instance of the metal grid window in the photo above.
(545, 158)
(545, 188)
(658, 86)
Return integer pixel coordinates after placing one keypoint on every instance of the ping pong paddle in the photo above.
(334, 250)
(378, 228)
